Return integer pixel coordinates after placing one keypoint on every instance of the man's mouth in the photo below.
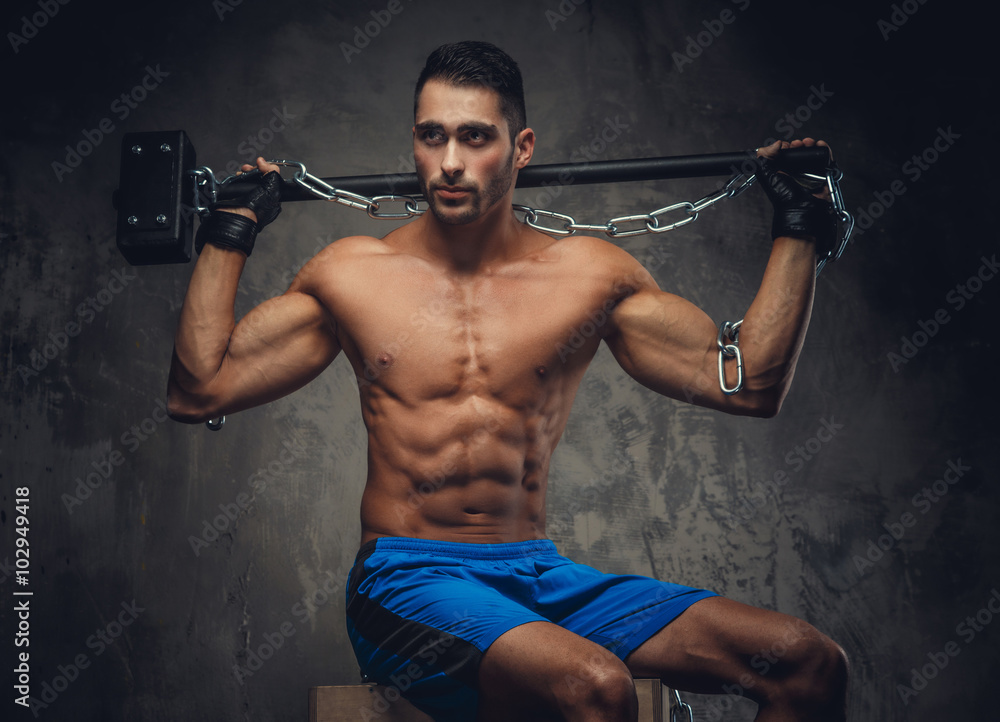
(452, 192)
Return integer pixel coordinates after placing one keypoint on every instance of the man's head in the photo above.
(469, 137)
(474, 63)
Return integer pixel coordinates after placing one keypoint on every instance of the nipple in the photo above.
(541, 371)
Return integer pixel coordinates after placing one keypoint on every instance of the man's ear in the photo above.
(524, 147)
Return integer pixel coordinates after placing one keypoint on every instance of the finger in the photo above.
(770, 151)
(810, 143)
(266, 167)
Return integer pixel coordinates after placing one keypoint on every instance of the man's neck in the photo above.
(471, 247)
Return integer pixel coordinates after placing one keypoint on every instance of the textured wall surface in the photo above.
(179, 574)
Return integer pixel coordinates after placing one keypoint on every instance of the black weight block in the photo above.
(154, 198)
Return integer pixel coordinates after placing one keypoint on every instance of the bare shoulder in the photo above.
(350, 247)
(337, 260)
(605, 259)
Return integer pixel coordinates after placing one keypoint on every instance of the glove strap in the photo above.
(227, 230)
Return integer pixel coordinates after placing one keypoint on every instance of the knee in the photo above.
(819, 669)
(600, 689)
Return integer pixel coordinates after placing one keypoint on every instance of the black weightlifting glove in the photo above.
(265, 199)
(797, 212)
(231, 230)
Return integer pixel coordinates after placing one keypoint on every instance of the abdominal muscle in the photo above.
(468, 472)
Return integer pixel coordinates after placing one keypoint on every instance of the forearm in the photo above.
(206, 326)
(774, 327)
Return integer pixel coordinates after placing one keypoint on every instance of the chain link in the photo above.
(728, 343)
(650, 222)
(728, 338)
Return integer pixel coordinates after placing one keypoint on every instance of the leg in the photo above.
(789, 668)
(540, 671)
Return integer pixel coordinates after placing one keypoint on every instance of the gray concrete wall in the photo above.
(143, 610)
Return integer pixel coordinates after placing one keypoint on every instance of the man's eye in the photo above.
(432, 135)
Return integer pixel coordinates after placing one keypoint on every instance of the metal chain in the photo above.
(650, 222)
(321, 189)
(680, 707)
(687, 212)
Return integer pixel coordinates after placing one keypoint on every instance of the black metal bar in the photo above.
(797, 160)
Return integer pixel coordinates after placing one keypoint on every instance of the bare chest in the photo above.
(419, 334)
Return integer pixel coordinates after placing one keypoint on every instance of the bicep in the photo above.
(668, 344)
(278, 347)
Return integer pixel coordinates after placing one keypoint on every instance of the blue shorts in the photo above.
(421, 613)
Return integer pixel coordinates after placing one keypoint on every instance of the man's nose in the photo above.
(451, 162)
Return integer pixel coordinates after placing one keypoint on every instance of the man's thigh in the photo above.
(540, 671)
(722, 646)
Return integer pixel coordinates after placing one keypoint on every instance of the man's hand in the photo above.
(237, 229)
(771, 152)
(264, 167)
(798, 213)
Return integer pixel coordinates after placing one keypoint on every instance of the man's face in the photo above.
(462, 151)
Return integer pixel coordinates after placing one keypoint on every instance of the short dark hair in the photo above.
(472, 62)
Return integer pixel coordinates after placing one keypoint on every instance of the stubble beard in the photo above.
(480, 201)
